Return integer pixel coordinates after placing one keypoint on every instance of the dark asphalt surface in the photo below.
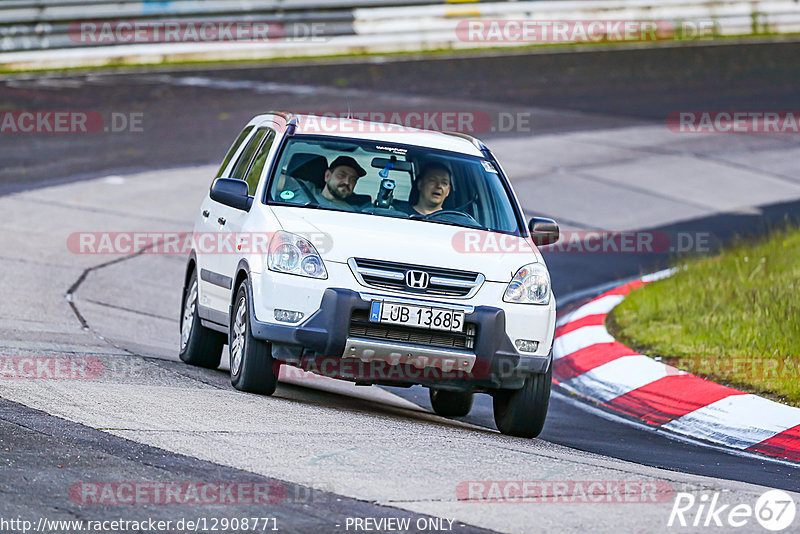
(44, 457)
(185, 125)
(636, 84)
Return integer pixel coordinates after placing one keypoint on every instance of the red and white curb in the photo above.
(589, 362)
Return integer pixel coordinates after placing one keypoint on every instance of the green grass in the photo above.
(732, 318)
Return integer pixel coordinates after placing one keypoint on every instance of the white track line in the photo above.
(584, 404)
(579, 339)
(601, 305)
(618, 377)
(738, 421)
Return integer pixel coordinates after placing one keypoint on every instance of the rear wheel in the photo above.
(252, 367)
(200, 346)
(522, 412)
(451, 403)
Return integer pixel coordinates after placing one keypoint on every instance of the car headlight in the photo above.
(294, 254)
(531, 285)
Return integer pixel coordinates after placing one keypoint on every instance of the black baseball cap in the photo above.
(350, 162)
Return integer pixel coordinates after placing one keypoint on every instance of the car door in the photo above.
(205, 230)
(225, 224)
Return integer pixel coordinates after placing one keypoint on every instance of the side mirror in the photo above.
(232, 193)
(543, 231)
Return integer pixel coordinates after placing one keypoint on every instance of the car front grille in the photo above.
(392, 275)
(360, 326)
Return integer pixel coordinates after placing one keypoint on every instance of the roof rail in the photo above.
(477, 143)
(285, 115)
(291, 126)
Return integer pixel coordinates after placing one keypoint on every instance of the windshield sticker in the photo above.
(287, 195)
(488, 166)
(394, 149)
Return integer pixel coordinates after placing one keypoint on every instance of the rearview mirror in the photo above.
(543, 231)
(396, 165)
(232, 193)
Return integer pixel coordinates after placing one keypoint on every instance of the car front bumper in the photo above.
(492, 362)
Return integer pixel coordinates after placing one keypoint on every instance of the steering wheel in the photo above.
(437, 214)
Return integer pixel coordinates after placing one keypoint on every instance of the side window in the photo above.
(232, 150)
(258, 164)
(243, 163)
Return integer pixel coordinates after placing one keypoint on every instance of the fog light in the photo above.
(288, 316)
(526, 345)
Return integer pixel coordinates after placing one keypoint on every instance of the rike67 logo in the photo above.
(774, 510)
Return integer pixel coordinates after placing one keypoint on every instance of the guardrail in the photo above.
(48, 24)
(67, 33)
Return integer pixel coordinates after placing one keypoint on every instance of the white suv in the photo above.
(374, 253)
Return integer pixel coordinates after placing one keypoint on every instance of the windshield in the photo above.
(390, 180)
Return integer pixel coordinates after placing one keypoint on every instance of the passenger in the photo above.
(340, 181)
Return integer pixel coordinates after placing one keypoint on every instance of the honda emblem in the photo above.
(417, 279)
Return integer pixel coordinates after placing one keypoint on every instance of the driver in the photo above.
(433, 185)
(340, 180)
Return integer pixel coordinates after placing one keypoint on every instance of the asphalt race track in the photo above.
(598, 156)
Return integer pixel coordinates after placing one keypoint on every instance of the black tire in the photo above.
(522, 412)
(256, 371)
(199, 345)
(451, 403)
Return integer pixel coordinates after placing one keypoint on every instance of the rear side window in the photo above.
(232, 150)
(258, 164)
(243, 163)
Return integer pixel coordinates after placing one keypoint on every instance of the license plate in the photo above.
(417, 316)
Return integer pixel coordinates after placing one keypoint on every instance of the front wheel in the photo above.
(522, 412)
(200, 346)
(252, 367)
(451, 403)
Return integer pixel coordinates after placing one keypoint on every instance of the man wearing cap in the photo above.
(340, 180)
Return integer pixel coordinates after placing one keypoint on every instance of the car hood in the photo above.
(339, 236)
